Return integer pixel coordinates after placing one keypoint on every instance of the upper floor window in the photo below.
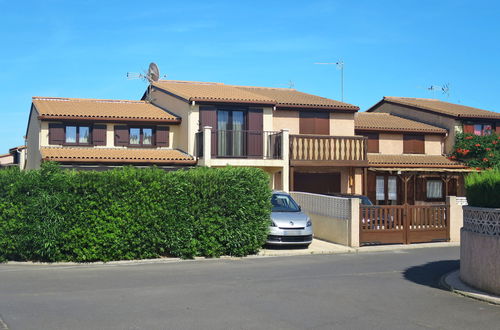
(413, 144)
(373, 142)
(314, 123)
(77, 134)
(478, 129)
(141, 136)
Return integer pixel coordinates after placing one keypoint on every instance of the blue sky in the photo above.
(390, 48)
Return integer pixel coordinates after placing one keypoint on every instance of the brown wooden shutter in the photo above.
(371, 186)
(306, 123)
(208, 117)
(314, 123)
(322, 123)
(421, 189)
(255, 134)
(162, 136)
(497, 127)
(469, 128)
(56, 133)
(99, 135)
(373, 143)
(413, 144)
(121, 135)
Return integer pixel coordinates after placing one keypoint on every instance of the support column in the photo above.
(354, 223)
(456, 218)
(207, 146)
(285, 152)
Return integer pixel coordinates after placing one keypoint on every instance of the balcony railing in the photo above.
(242, 144)
(328, 150)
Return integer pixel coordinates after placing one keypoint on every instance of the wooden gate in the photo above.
(403, 224)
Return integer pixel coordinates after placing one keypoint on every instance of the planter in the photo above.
(480, 248)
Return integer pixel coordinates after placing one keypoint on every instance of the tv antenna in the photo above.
(445, 89)
(291, 84)
(340, 66)
(151, 75)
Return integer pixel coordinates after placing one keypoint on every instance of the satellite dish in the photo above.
(153, 72)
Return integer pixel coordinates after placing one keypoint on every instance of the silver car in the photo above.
(289, 224)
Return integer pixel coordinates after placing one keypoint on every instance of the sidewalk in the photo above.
(323, 247)
(452, 282)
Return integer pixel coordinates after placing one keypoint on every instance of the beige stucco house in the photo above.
(305, 142)
(100, 134)
(406, 161)
(455, 118)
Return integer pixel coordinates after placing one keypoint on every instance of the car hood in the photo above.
(282, 219)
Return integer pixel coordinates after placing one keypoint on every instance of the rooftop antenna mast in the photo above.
(151, 75)
(445, 89)
(291, 84)
(340, 66)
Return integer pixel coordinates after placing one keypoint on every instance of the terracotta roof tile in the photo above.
(379, 121)
(218, 92)
(378, 160)
(116, 155)
(450, 109)
(54, 108)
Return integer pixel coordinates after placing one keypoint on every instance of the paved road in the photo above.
(389, 290)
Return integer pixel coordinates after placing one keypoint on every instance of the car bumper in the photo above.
(279, 236)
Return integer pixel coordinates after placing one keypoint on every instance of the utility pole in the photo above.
(340, 65)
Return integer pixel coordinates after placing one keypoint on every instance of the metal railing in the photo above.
(242, 144)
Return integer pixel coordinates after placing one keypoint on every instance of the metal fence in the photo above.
(328, 206)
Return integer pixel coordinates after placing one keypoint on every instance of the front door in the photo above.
(231, 135)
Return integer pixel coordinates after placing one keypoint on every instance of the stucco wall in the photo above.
(341, 124)
(433, 144)
(390, 143)
(6, 159)
(479, 261)
(33, 141)
(185, 132)
(286, 119)
(424, 117)
(480, 248)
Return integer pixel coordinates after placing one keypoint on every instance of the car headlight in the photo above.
(309, 223)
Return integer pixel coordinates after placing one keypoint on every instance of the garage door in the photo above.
(319, 183)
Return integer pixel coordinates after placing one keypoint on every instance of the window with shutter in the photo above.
(56, 133)
(413, 144)
(255, 135)
(316, 123)
(373, 142)
(162, 136)
(99, 135)
(121, 135)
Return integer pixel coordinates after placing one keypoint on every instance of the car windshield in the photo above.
(284, 203)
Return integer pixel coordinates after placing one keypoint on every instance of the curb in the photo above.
(453, 283)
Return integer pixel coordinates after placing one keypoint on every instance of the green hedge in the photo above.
(59, 215)
(483, 188)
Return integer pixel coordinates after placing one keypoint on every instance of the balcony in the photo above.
(240, 144)
(323, 150)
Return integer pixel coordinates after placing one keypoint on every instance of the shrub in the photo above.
(56, 215)
(483, 189)
(479, 152)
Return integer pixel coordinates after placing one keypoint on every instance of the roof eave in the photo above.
(110, 119)
(398, 130)
(315, 107)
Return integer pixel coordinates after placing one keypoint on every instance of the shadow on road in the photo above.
(430, 273)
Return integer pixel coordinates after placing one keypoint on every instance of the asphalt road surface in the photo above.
(380, 290)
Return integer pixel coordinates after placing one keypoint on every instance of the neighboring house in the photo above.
(305, 142)
(6, 160)
(456, 118)
(406, 161)
(99, 134)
